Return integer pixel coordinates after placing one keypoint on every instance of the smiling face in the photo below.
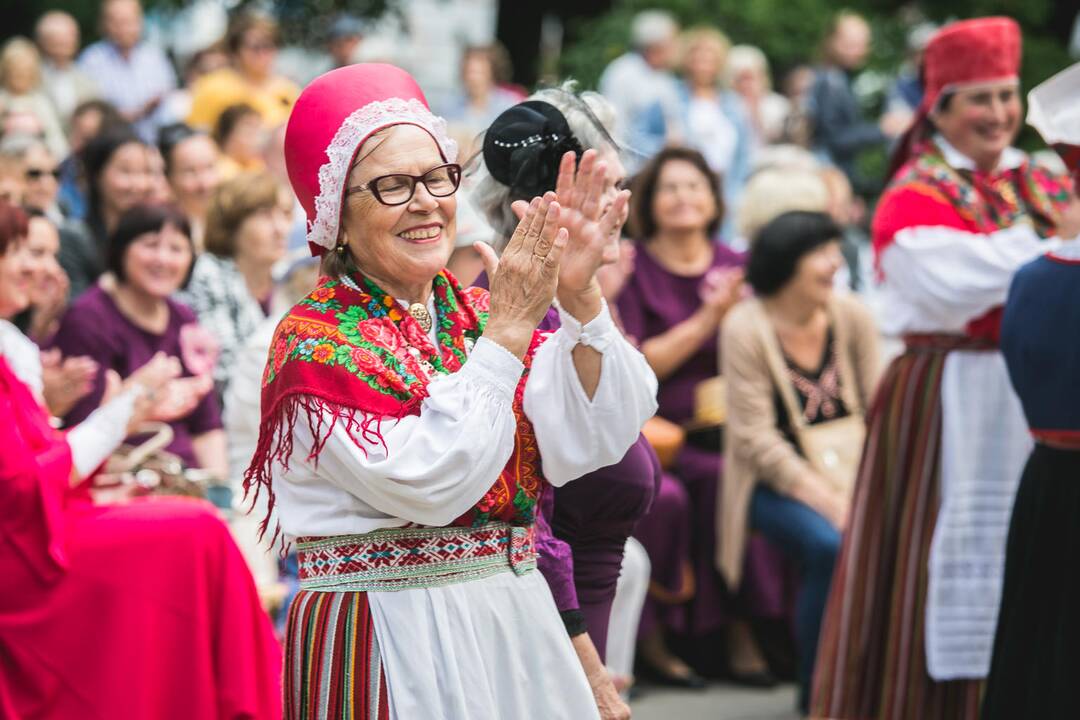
(683, 200)
(402, 246)
(42, 244)
(813, 278)
(982, 122)
(156, 263)
(194, 174)
(16, 279)
(127, 178)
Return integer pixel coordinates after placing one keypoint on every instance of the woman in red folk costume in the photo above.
(910, 621)
(410, 426)
(142, 609)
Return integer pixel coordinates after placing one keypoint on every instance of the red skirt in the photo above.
(871, 661)
(155, 617)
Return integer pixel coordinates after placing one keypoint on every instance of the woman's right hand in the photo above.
(524, 279)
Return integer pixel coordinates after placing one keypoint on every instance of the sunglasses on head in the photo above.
(38, 173)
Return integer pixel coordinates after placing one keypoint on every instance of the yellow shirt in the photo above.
(216, 91)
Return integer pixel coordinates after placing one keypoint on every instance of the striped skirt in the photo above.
(332, 665)
(871, 661)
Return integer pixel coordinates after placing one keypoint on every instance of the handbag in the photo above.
(146, 468)
(834, 448)
(705, 430)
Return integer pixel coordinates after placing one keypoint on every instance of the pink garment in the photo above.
(144, 610)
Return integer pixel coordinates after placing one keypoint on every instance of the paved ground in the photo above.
(719, 702)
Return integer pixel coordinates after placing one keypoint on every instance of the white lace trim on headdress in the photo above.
(353, 131)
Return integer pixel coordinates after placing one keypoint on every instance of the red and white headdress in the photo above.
(331, 119)
(960, 56)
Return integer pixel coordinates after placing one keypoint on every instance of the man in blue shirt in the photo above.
(134, 76)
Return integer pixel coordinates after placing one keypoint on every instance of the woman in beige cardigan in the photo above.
(795, 356)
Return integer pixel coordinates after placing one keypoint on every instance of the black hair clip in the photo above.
(524, 146)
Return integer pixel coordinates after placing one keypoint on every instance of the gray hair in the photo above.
(582, 112)
(746, 57)
(652, 27)
(18, 146)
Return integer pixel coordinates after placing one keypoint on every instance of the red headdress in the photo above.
(960, 56)
(332, 118)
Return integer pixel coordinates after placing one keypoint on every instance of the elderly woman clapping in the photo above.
(405, 420)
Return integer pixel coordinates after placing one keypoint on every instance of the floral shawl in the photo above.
(353, 355)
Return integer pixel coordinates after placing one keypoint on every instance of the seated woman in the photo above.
(247, 230)
(126, 321)
(141, 610)
(683, 284)
(795, 356)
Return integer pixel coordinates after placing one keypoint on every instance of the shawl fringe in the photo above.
(275, 445)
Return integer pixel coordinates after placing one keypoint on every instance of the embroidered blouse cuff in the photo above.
(598, 333)
(497, 366)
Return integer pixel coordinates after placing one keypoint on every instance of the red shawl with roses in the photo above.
(353, 356)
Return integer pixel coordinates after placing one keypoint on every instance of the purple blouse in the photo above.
(94, 326)
(555, 557)
(655, 300)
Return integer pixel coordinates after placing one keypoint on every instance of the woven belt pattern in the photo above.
(414, 557)
(944, 342)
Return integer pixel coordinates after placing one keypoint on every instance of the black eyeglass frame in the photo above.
(38, 173)
(370, 185)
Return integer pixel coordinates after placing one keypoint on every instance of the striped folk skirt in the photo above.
(871, 661)
(332, 665)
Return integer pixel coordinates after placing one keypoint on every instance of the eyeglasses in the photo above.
(398, 189)
(39, 173)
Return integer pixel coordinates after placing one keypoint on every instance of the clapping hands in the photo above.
(592, 222)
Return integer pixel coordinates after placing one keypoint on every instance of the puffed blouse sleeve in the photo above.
(577, 435)
(432, 467)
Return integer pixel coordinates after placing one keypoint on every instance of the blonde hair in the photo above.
(12, 50)
(708, 36)
(746, 57)
(233, 203)
(777, 190)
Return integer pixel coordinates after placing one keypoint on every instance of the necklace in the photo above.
(421, 315)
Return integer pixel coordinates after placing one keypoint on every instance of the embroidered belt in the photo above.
(944, 342)
(414, 557)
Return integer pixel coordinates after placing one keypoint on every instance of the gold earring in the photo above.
(341, 248)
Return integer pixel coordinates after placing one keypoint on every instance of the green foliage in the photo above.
(790, 31)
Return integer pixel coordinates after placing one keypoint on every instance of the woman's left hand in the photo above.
(592, 228)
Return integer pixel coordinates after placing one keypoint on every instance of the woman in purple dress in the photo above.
(582, 530)
(128, 317)
(683, 284)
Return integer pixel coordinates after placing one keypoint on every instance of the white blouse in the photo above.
(432, 467)
(936, 280)
(491, 648)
